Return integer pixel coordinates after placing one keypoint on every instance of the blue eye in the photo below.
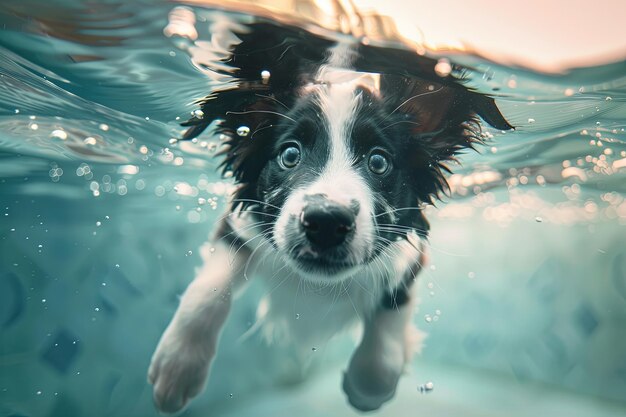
(290, 156)
(378, 163)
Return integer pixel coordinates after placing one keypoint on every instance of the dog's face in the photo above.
(339, 161)
(337, 178)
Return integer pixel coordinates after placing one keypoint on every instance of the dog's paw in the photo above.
(371, 381)
(178, 373)
(368, 394)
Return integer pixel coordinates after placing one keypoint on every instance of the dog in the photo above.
(335, 147)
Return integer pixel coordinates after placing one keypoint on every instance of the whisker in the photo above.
(273, 99)
(260, 111)
(251, 200)
(399, 122)
(396, 210)
(409, 99)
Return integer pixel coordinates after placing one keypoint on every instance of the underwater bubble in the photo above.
(538, 219)
(297, 316)
(471, 275)
(117, 265)
(438, 312)
(265, 76)
(426, 388)
(189, 253)
(104, 127)
(90, 140)
(531, 120)
(38, 392)
(198, 114)
(194, 216)
(430, 285)
(313, 349)
(443, 68)
(34, 126)
(98, 223)
(58, 134)
(173, 141)
(608, 98)
(428, 318)
(243, 131)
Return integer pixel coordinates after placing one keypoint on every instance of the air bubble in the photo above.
(265, 76)
(198, 114)
(428, 318)
(243, 131)
(426, 388)
(90, 140)
(189, 253)
(443, 68)
(58, 134)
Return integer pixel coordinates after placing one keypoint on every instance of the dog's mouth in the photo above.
(321, 265)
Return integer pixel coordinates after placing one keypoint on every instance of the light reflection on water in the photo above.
(91, 97)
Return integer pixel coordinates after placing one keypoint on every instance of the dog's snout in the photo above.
(327, 225)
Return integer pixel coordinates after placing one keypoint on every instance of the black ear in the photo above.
(486, 108)
(266, 65)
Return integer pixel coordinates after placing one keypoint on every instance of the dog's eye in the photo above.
(290, 156)
(378, 163)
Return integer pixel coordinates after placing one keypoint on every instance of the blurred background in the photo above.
(102, 211)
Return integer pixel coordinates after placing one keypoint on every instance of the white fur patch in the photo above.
(336, 95)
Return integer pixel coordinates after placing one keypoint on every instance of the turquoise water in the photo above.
(102, 212)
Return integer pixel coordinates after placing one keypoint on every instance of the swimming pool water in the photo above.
(102, 210)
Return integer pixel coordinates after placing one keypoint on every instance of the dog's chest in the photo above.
(307, 314)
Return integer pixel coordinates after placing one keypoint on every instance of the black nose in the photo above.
(326, 224)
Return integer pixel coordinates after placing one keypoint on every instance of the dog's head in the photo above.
(337, 157)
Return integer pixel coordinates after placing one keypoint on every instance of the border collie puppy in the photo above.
(334, 146)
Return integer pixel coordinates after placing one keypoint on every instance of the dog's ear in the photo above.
(486, 107)
(440, 120)
(265, 68)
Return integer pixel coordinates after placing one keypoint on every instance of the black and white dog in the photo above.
(335, 146)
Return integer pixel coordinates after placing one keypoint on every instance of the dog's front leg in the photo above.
(180, 364)
(389, 340)
(378, 361)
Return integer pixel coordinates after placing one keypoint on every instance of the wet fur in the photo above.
(321, 94)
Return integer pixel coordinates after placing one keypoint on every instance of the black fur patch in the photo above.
(422, 120)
